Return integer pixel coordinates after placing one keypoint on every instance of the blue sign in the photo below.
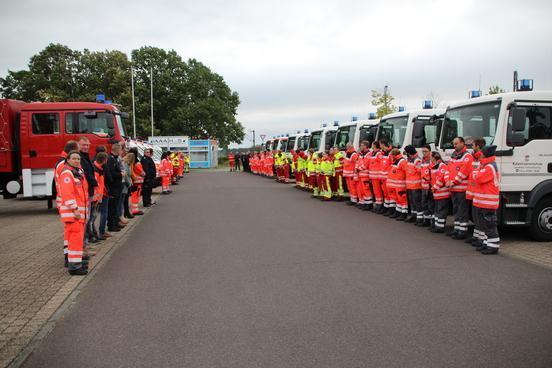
(199, 142)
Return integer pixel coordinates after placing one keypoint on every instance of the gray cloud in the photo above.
(297, 64)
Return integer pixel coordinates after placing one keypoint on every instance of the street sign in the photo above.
(263, 136)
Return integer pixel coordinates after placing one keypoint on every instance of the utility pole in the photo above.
(253, 131)
(133, 105)
(151, 94)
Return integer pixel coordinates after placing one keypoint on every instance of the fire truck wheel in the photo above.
(541, 223)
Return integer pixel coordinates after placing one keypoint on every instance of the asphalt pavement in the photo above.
(234, 270)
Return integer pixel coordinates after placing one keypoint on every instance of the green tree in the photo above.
(383, 101)
(493, 90)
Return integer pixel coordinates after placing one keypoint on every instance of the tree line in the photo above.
(189, 98)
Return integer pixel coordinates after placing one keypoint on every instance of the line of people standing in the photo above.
(406, 186)
(107, 188)
(238, 161)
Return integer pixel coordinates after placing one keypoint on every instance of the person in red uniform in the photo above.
(73, 212)
(364, 192)
(427, 198)
(477, 237)
(486, 198)
(138, 175)
(385, 165)
(460, 166)
(414, 185)
(231, 161)
(440, 192)
(396, 184)
(349, 163)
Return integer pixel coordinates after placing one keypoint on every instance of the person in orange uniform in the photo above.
(486, 198)
(477, 236)
(181, 165)
(74, 199)
(99, 194)
(414, 185)
(269, 162)
(138, 175)
(165, 173)
(440, 193)
(376, 176)
(396, 184)
(365, 199)
(349, 163)
(231, 161)
(460, 166)
(427, 198)
(337, 180)
(385, 165)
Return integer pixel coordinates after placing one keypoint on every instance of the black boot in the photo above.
(437, 230)
(469, 240)
(401, 217)
(426, 223)
(368, 207)
(410, 218)
(490, 250)
(395, 214)
(419, 223)
(390, 211)
(78, 272)
(481, 248)
(460, 236)
(350, 203)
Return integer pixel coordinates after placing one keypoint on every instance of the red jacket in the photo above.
(425, 173)
(362, 166)
(471, 182)
(397, 173)
(73, 195)
(385, 164)
(138, 174)
(460, 167)
(375, 166)
(439, 178)
(99, 190)
(165, 168)
(487, 185)
(414, 173)
(349, 163)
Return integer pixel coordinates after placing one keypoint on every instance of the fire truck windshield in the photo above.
(470, 121)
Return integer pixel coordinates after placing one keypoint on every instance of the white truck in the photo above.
(356, 131)
(322, 139)
(520, 125)
(417, 127)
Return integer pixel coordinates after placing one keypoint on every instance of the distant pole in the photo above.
(253, 131)
(133, 105)
(151, 95)
(515, 80)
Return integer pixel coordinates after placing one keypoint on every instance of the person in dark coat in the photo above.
(149, 180)
(88, 169)
(114, 184)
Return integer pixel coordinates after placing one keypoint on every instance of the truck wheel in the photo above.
(541, 221)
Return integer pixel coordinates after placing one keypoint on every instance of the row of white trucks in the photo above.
(518, 123)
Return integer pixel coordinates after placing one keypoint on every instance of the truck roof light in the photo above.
(336, 123)
(324, 125)
(354, 118)
(428, 104)
(525, 85)
(401, 108)
(108, 102)
(372, 116)
(100, 97)
(475, 93)
(298, 132)
(306, 130)
(287, 135)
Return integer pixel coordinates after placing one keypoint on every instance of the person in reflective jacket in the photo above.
(414, 185)
(486, 198)
(440, 192)
(73, 212)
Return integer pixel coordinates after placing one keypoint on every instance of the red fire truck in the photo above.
(32, 136)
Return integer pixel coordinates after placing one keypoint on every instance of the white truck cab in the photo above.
(520, 125)
(356, 131)
(322, 139)
(399, 128)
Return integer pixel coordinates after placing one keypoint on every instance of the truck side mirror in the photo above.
(518, 119)
(125, 115)
(516, 140)
(91, 114)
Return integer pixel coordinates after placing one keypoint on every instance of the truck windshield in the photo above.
(283, 145)
(290, 144)
(314, 141)
(268, 145)
(471, 121)
(368, 133)
(303, 143)
(330, 138)
(393, 130)
(345, 135)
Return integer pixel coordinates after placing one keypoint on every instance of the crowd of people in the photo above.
(239, 161)
(420, 189)
(99, 195)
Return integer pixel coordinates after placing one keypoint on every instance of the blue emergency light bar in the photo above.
(287, 135)
(475, 93)
(401, 108)
(298, 132)
(100, 97)
(525, 85)
(336, 123)
(428, 104)
(108, 102)
(324, 125)
(372, 116)
(354, 118)
(306, 131)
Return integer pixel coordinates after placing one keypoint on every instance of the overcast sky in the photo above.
(297, 64)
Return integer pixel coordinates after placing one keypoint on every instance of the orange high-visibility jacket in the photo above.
(425, 173)
(349, 163)
(385, 162)
(487, 186)
(471, 182)
(362, 166)
(99, 191)
(397, 173)
(414, 173)
(375, 165)
(439, 178)
(460, 166)
(74, 195)
(166, 168)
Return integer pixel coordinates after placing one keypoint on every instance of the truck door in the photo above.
(45, 141)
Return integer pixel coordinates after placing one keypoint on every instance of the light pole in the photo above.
(253, 131)
(133, 105)
(151, 95)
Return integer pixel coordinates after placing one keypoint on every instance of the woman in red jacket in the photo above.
(441, 193)
(74, 200)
